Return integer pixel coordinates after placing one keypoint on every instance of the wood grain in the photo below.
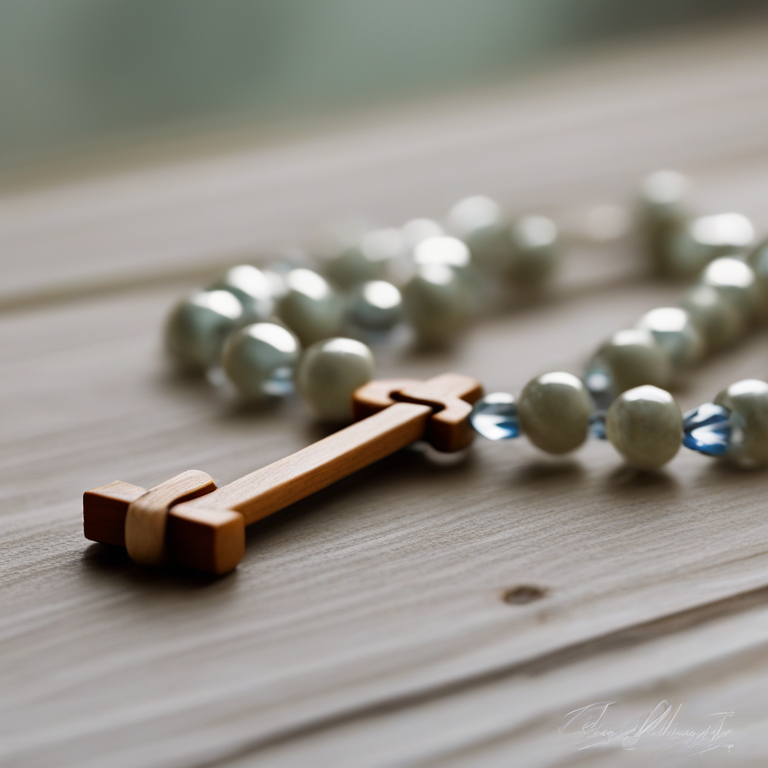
(367, 626)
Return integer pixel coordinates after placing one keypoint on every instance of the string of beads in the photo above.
(287, 325)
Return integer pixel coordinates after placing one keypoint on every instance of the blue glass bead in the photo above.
(597, 425)
(708, 429)
(599, 384)
(495, 416)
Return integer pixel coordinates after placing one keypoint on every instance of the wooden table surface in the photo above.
(366, 626)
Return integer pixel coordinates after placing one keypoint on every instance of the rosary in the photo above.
(270, 330)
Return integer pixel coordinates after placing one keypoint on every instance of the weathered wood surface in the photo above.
(366, 625)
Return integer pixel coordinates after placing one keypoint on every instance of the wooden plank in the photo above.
(372, 614)
(585, 133)
(380, 588)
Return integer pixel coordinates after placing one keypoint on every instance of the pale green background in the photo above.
(76, 70)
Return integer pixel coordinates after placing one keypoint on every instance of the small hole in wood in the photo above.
(523, 594)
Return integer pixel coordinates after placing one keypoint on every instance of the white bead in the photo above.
(443, 251)
(694, 245)
(252, 287)
(633, 358)
(718, 321)
(260, 360)
(310, 307)
(376, 306)
(758, 260)
(553, 412)
(663, 208)
(365, 259)
(736, 282)
(438, 304)
(480, 223)
(535, 251)
(328, 374)
(664, 196)
(199, 325)
(645, 426)
(674, 332)
(748, 402)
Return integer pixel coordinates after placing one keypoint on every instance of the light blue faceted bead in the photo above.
(708, 429)
(597, 425)
(495, 416)
(599, 383)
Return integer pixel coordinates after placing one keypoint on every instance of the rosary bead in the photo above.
(443, 251)
(630, 359)
(438, 304)
(260, 359)
(645, 426)
(708, 429)
(199, 325)
(718, 321)
(495, 416)
(252, 287)
(310, 307)
(328, 374)
(376, 306)
(674, 332)
(663, 206)
(748, 403)
(416, 230)
(664, 196)
(480, 223)
(692, 246)
(365, 259)
(554, 412)
(736, 282)
(758, 260)
(535, 251)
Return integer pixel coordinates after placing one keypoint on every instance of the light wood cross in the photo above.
(187, 520)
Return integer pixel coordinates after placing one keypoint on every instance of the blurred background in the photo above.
(79, 75)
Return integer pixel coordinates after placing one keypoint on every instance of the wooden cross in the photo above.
(187, 520)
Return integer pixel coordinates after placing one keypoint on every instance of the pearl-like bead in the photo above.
(252, 287)
(443, 251)
(718, 321)
(480, 223)
(663, 207)
(199, 325)
(328, 374)
(554, 411)
(645, 426)
(632, 358)
(692, 246)
(664, 196)
(736, 282)
(748, 402)
(376, 306)
(310, 307)
(674, 332)
(438, 304)
(365, 259)
(535, 251)
(260, 359)
(758, 260)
